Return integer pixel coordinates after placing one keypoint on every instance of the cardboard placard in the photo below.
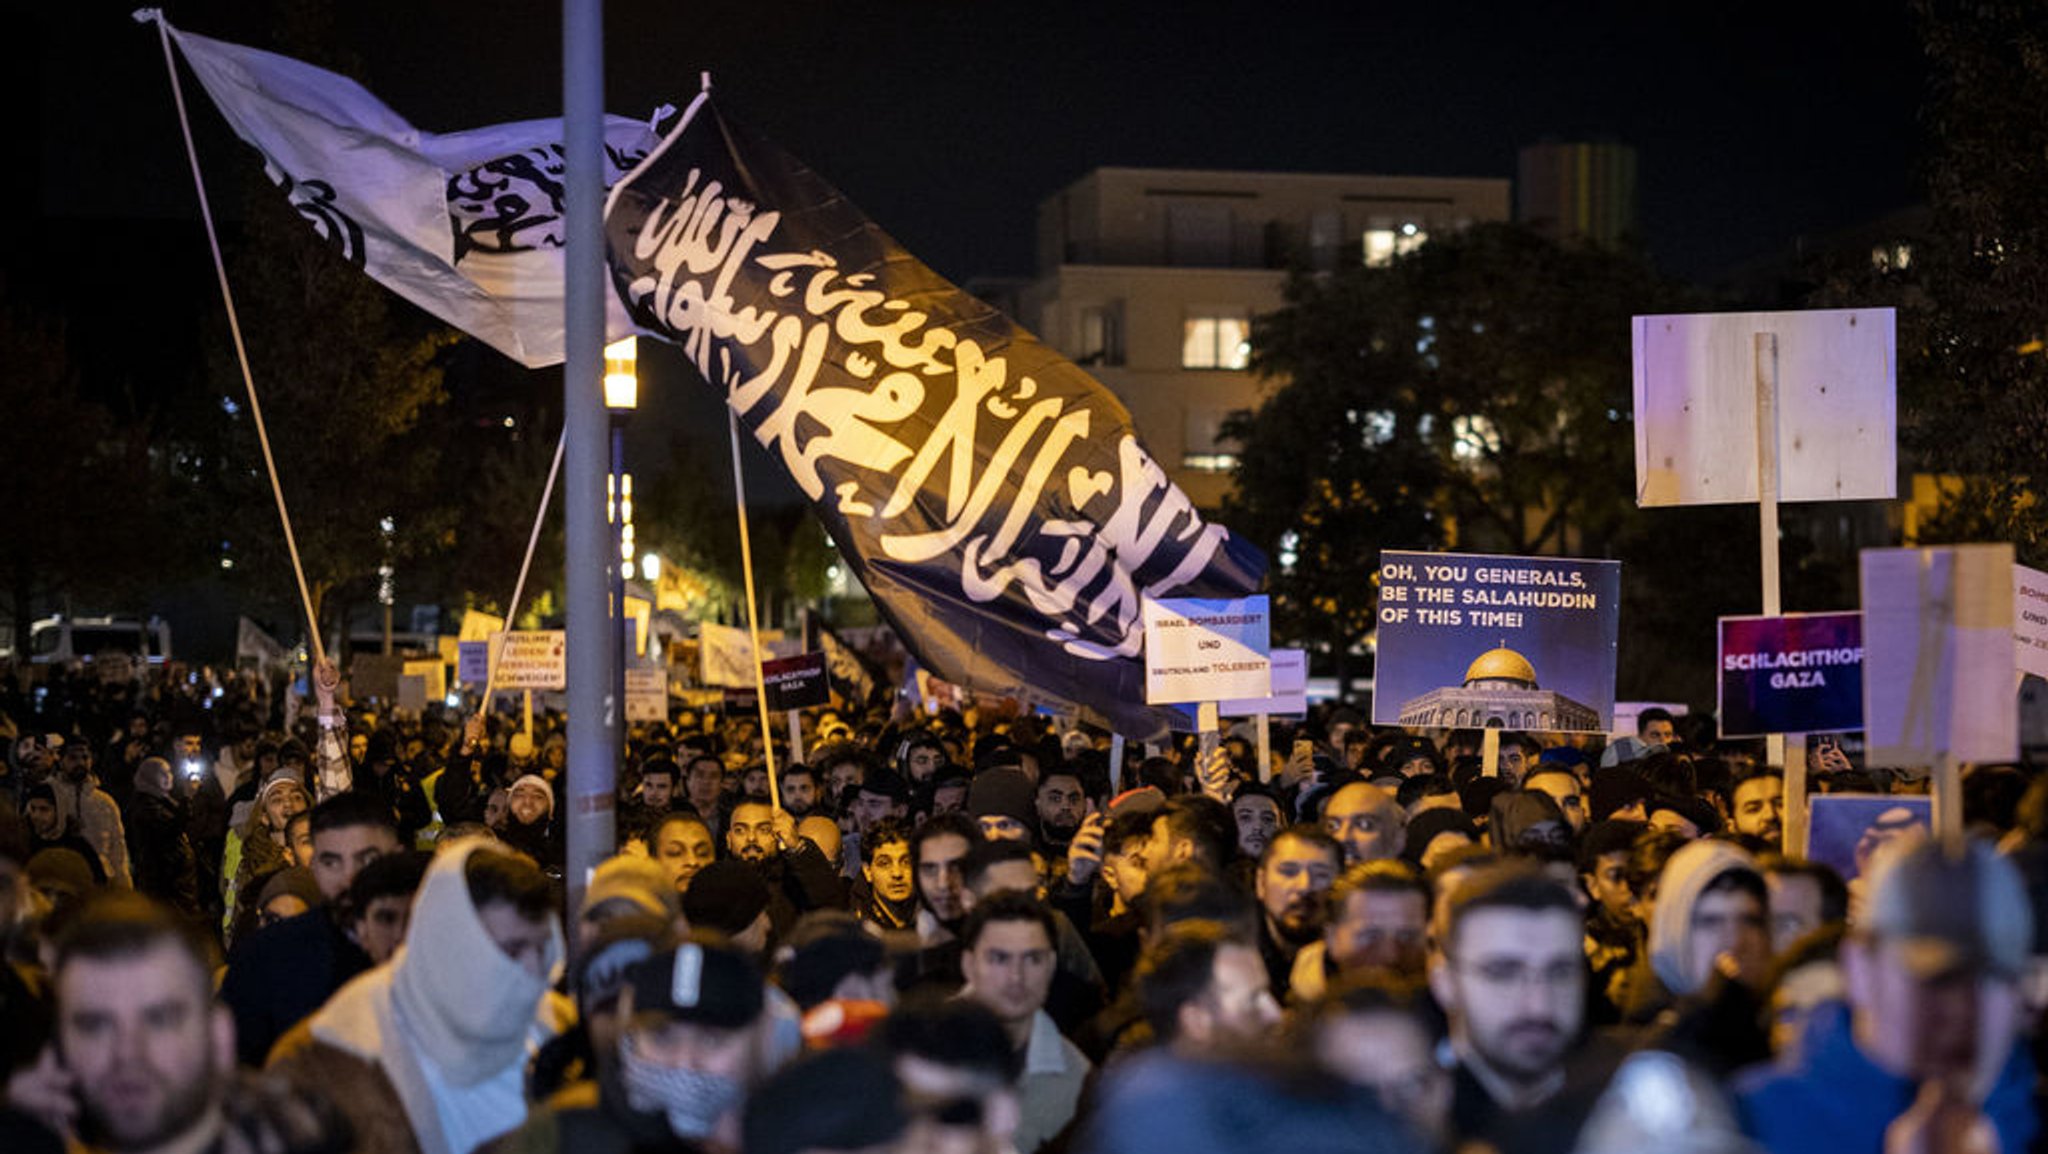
(1198, 649)
(798, 682)
(2030, 620)
(1469, 640)
(1290, 689)
(412, 693)
(373, 675)
(1696, 406)
(1845, 830)
(533, 659)
(646, 693)
(473, 662)
(433, 675)
(477, 626)
(1799, 673)
(1938, 675)
(740, 701)
(726, 654)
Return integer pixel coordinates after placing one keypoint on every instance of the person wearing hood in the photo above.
(685, 1023)
(1695, 991)
(428, 1052)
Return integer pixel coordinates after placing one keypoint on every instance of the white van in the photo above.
(56, 640)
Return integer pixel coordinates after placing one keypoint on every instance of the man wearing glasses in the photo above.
(1511, 975)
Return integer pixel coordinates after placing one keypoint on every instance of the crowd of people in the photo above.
(238, 921)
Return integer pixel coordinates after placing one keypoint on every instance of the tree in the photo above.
(77, 493)
(1474, 393)
(1975, 373)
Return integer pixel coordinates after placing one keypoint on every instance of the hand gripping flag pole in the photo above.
(220, 268)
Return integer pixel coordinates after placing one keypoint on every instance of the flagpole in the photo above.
(593, 705)
(739, 494)
(227, 296)
(547, 494)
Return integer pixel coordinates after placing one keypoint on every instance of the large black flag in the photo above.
(991, 496)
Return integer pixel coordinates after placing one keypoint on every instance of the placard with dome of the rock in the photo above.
(1478, 641)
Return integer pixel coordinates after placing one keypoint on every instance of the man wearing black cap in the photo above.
(1003, 803)
(679, 1073)
(1927, 1044)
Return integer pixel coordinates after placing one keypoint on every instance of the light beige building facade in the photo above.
(1150, 278)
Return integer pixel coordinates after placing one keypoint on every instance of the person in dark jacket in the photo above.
(159, 851)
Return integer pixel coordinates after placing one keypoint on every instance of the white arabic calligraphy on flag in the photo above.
(992, 496)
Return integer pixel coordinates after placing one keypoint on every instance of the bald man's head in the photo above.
(1366, 821)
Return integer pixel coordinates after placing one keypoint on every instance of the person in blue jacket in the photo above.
(1927, 1054)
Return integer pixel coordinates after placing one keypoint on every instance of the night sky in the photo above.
(948, 122)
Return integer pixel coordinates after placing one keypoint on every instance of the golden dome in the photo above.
(1501, 664)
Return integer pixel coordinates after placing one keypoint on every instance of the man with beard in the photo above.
(799, 876)
(1298, 868)
(1759, 809)
(799, 790)
(1062, 804)
(1511, 975)
(143, 1061)
(1366, 821)
(1258, 818)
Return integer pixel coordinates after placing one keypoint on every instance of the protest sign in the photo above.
(1845, 830)
(1478, 641)
(1206, 650)
(1799, 673)
(374, 675)
(740, 701)
(1290, 689)
(473, 662)
(796, 682)
(1826, 401)
(478, 626)
(726, 654)
(533, 659)
(646, 693)
(433, 675)
(1938, 655)
(2030, 620)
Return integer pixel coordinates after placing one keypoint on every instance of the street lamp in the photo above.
(621, 396)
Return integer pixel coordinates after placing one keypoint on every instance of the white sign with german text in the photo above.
(1290, 689)
(1197, 649)
(533, 659)
(2030, 620)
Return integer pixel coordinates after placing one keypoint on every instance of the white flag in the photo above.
(466, 225)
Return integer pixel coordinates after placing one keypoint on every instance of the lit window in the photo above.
(1382, 245)
(1217, 340)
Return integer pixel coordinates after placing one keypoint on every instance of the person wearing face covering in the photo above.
(428, 1052)
(687, 1023)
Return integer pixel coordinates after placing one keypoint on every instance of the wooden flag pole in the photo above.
(739, 493)
(795, 718)
(1765, 347)
(1794, 836)
(1489, 752)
